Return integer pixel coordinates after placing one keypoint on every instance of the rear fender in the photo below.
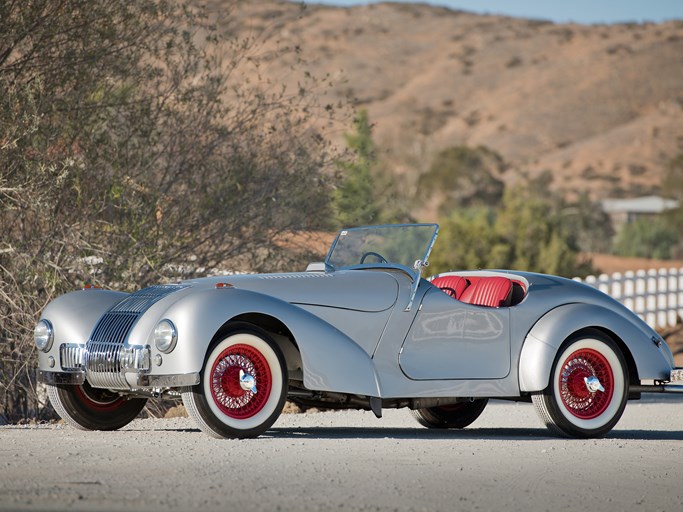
(547, 335)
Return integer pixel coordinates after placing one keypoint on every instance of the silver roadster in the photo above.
(363, 330)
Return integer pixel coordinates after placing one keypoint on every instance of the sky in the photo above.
(579, 11)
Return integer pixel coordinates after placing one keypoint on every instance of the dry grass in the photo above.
(545, 96)
(674, 338)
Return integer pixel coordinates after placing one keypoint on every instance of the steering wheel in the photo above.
(381, 258)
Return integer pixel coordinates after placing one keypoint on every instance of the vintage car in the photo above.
(362, 330)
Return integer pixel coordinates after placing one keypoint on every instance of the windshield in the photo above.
(403, 244)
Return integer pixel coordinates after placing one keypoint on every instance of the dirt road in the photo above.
(350, 461)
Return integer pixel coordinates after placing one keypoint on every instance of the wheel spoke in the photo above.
(99, 399)
(586, 383)
(240, 381)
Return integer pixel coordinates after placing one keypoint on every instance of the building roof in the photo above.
(646, 204)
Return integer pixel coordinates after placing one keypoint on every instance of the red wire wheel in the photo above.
(99, 399)
(573, 405)
(227, 392)
(575, 395)
(87, 408)
(243, 385)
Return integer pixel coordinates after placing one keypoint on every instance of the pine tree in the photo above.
(354, 198)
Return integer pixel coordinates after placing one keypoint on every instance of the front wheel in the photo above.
(87, 408)
(458, 415)
(243, 386)
(588, 388)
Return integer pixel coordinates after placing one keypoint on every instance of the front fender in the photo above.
(547, 335)
(331, 360)
(73, 317)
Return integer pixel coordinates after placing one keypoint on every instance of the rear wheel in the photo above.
(243, 386)
(588, 387)
(458, 415)
(87, 408)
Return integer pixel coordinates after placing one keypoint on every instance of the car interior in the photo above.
(488, 291)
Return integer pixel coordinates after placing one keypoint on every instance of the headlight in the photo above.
(165, 336)
(43, 335)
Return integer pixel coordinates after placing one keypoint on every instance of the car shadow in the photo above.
(404, 433)
(647, 435)
(411, 433)
(513, 434)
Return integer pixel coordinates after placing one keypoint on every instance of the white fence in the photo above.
(654, 295)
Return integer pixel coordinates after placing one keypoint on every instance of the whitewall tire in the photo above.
(243, 385)
(588, 387)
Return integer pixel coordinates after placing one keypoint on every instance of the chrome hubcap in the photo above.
(593, 384)
(247, 382)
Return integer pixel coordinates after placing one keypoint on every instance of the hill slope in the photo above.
(600, 106)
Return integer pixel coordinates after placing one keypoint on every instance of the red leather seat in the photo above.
(494, 292)
(452, 285)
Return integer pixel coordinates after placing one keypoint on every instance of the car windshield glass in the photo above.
(393, 245)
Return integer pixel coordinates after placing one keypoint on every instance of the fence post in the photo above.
(655, 295)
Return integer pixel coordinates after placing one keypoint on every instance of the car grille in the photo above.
(105, 355)
(71, 357)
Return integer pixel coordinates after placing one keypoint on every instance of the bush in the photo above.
(526, 232)
(672, 186)
(646, 238)
(462, 177)
(129, 137)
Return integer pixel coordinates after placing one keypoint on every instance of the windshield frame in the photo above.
(415, 271)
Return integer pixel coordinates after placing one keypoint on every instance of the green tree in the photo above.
(588, 224)
(366, 192)
(646, 238)
(672, 186)
(533, 226)
(354, 198)
(468, 240)
(525, 232)
(672, 183)
(462, 176)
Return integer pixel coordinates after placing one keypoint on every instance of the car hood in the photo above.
(361, 290)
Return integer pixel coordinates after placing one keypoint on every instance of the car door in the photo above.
(450, 339)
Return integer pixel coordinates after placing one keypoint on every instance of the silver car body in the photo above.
(372, 330)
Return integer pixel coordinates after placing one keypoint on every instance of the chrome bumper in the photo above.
(121, 368)
(168, 381)
(142, 380)
(673, 385)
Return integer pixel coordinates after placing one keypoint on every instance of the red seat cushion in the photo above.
(452, 285)
(493, 292)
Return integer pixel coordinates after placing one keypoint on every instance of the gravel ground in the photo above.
(350, 461)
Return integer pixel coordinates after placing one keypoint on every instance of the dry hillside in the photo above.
(601, 106)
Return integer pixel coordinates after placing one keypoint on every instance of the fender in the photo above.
(547, 335)
(331, 360)
(73, 317)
